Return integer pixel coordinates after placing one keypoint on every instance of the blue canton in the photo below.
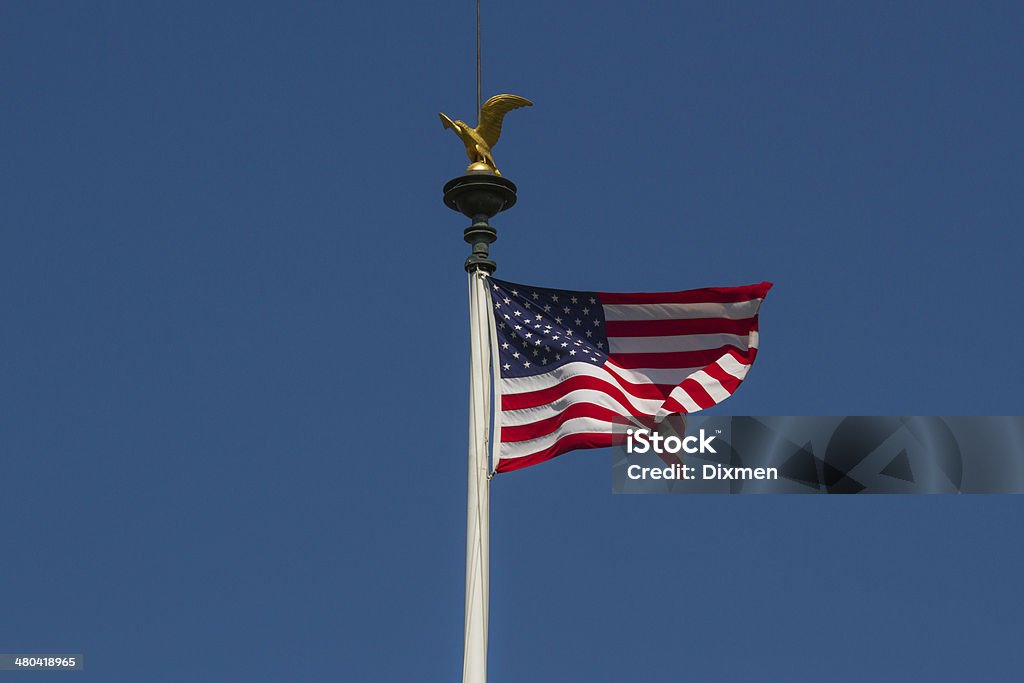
(541, 329)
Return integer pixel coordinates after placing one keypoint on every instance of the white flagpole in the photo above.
(479, 194)
(474, 663)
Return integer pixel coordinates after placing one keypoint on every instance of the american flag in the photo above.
(573, 364)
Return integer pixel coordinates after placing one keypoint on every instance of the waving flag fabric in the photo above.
(572, 363)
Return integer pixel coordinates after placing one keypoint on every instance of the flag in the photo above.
(572, 364)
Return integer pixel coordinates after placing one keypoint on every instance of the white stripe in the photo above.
(684, 399)
(669, 376)
(733, 311)
(676, 343)
(754, 339)
(578, 425)
(662, 376)
(733, 367)
(711, 385)
(522, 385)
(525, 416)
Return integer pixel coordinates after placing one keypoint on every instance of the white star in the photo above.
(572, 352)
(536, 295)
(586, 311)
(536, 352)
(528, 335)
(526, 304)
(574, 299)
(518, 313)
(565, 310)
(507, 366)
(589, 333)
(543, 361)
(501, 325)
(547, 307)
(536, 343)
(600, 345)
(564, 344)
(597, 323)
(557, 320)
(515, 355)
(515, 292)
(568, 333)
(526, 364)
(558, 356)
(504, 345)
(578, 321)
(519, 327)
(507, 300)
(554, 297)
(497, 304)
(593, 300)
(506, 317)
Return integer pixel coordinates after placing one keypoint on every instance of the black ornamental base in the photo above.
(480, 195)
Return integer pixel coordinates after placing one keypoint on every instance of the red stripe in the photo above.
(747, 358)
(674, 406)
(697, 393)
(663, 328)
(728, 382)
(532, 399)
(569, 442)
(540, 428)
(716, 295)
(678, 359)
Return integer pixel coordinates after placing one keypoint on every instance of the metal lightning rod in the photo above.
(479, 100)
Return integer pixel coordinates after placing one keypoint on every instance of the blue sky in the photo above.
(234, 380)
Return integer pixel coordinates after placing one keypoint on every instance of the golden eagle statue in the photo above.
(480, 140)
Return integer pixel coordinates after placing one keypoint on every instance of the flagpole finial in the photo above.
(479, 195)
(479, 141)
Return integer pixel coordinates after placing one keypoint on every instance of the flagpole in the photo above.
(479, 195)
(474, 663)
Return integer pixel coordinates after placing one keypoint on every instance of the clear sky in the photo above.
(233, 326)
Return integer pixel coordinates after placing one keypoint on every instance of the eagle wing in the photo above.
(447, 122)
(493, 112)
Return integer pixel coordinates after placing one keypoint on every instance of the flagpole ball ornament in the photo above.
(482, 192)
